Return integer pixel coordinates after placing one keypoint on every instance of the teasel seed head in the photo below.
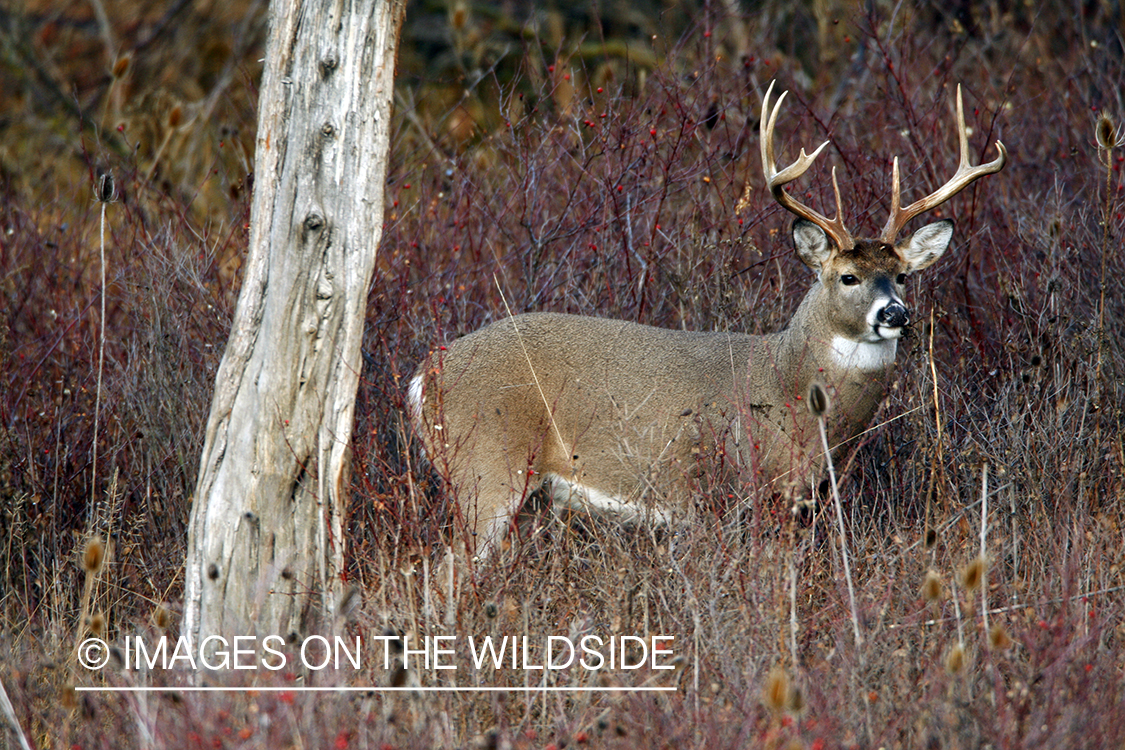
(973, 574)
(93, 555)
(955, 659)
(1106, 133)
(122, 65)
(998, 638)
(96, 625)
(819, 401)
(106, 191)
(932, 587)
(776, 694)
(161, 616)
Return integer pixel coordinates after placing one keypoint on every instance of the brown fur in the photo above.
(628, 410)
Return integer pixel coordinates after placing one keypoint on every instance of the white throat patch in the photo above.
(863, 355)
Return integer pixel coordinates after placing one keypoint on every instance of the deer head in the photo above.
(867, 272)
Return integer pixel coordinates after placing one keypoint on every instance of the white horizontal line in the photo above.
(371, 689)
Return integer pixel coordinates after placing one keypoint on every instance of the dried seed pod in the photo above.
(161, 616)
(797, 703)
(1106, 133)
(955, 659)
(932, 587)
(350, 601)
(973, 574)
(96, 625)
(121, 66)
(819, 402)
(93, 555)
(998, 638)
(106, 191)
(776, 693)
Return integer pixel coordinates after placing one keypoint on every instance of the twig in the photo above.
(983, 537)
(938, 462)
(106, 30)
(105, 194)
(534, 376)
(840, 529)
(10, 715)
(1009, 608)
(819, 405)
(793, 603)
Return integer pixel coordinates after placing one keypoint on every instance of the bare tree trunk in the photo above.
(265, 541)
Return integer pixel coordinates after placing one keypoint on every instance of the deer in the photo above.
(615, 418)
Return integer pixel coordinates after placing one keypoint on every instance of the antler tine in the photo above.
(966, 174)
(776, 180)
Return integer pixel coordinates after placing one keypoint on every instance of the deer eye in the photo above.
(901, 279)
(849, 280)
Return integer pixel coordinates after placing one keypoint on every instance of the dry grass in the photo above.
(585, 177)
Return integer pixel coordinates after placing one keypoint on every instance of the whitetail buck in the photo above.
(612, 416)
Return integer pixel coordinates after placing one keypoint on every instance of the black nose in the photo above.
(893, 315)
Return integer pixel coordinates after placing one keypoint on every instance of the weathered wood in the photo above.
(265, 541)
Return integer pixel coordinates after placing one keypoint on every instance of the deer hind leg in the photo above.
(484, 513)
(489, 491)
(486, 487)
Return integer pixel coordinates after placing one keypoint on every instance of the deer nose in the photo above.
(893, 315)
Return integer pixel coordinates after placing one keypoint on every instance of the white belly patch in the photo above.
(590, 500)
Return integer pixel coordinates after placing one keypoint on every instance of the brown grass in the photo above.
(588, 175)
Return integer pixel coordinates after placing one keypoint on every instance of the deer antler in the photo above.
(776, 180)
(964, 176)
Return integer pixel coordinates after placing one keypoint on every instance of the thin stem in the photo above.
(1101, 286)
(847, 567)
(1105, 249)
(13, 720)
(937, 466)
(101, 363)
(840, 525)
(983, 537)
(793, 605)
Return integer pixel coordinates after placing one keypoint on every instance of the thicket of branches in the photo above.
(593, 164)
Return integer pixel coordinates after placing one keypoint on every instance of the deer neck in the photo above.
(813, 348)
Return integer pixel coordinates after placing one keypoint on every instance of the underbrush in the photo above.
(983, 512)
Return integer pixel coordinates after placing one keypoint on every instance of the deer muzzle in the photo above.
(894, 315)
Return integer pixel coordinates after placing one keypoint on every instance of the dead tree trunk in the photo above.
(265, 541)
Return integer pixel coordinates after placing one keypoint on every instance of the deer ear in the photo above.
(927, 244)
(811, 243)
